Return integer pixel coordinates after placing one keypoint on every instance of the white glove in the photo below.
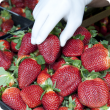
(48, 13)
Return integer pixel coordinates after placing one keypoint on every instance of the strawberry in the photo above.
(63, 108)
(50, 48)
(78, 105)
(107, 79)
(95, 58)
(31, 4)
(39, 108)
(9, 54)
(11, 96)
(103, 30)
(105, 107)
(18, 10)
(4, 45)
(15, 1)
(4, 61)
(19, 5)
(4, 4)
(26, 47)
(73, 47)
(13, 45)
(2, 34)
(84, 32)
(5, 15)
(43, 76)
(92, 92)
(50, 101)
(7, 25)
(29, 68)
(31, 95)
(68, 74)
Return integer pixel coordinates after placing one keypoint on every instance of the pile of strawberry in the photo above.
(21, 7)
(50, 77)
(6, 23)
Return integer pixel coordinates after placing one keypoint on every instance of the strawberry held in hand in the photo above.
(96, 58)
(26, 47)
(11, 96)
(50, 48)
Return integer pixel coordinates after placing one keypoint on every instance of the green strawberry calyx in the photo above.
(5, 14)
(86, 75)
(79, 36)
(49, 87)
(69, 102)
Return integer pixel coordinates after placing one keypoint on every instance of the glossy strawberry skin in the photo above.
(84, 32)
(50, 48)
(43, 76)
(2, 34)
(4, 4)
(73, 47)
(4, 61)
(39, 108)
(67, 79)
(9, 54)
(11, 97)
(77, 102)
(13, 45)
(92, 92)
(31, 95)
(5, 45)
(50, 101)
(7, 25)
(95, 58)
(107, 79)
(27, 72)
(26, 47)
(19, 5)
(15, 1)
(63, 108)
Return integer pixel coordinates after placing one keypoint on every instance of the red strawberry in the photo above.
(4, 44)
(9, 54)
(78, 105)
(31, 95)
(5, 15)
(4, 4)
(95, 58)
(27, 72)
(4, 61)
(19, 5)
(103, 30)
(67, 79)
(2, 34)
(31, 3)
(107, 79)
(15, 1)
(50, 101)
(11, 96)
(63, 108)
(39, 108)
(84, 32)
(92, 92)
(13, 45)
(73, 47)
(26, 47)
(7, 25)
(18, 10)
(50, 48)
(43, 76)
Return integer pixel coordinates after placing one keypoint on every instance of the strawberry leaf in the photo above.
(79, 36)
(5, 77)
(18, 44)
(93, 33)
(40, 59)
(27, 108)
(104, 43)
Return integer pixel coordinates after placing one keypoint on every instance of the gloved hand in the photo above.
(48, 13)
